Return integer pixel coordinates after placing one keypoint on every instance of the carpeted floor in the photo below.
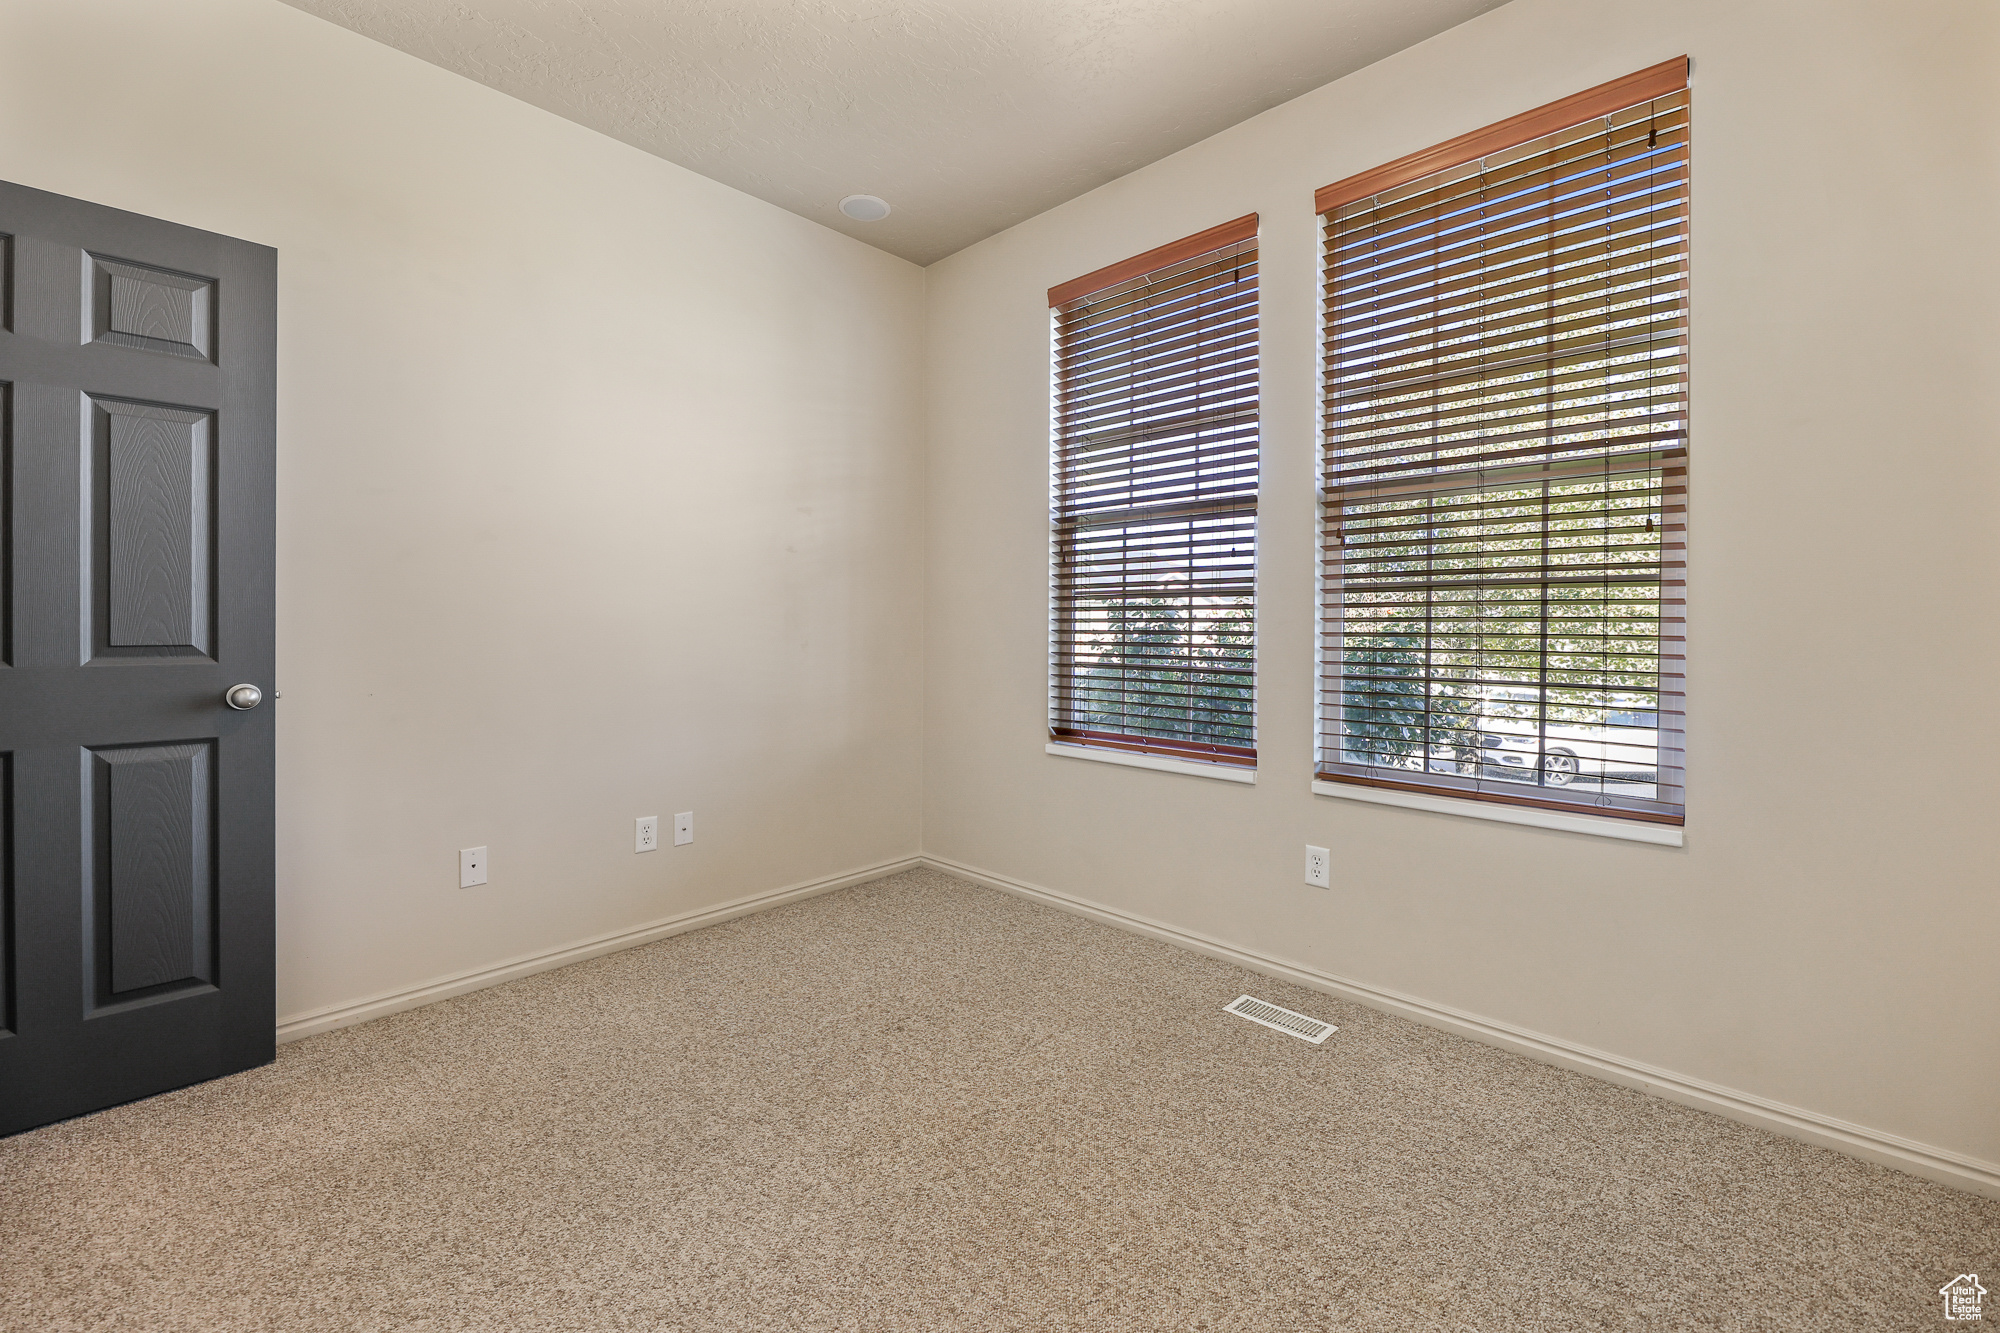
(920, 1105)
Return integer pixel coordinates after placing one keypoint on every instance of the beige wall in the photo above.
(599, 486)
(1826, 938)
(603, 493)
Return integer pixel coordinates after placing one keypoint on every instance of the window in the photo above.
(1503, 500)
(1154, 503)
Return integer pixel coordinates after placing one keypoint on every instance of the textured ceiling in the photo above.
(966, 115)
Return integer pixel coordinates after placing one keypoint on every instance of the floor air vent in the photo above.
(1284, 1020)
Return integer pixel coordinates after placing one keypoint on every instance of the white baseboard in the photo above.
(332, 1016)
(1919, 1159)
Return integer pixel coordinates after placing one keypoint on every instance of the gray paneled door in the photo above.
(137, 511)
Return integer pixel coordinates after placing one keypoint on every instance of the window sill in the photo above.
(1192, 768)
(1631, 830)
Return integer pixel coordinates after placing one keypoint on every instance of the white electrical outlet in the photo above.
(683, 828)
(471, 867)
(1319, 867)
(647, 837)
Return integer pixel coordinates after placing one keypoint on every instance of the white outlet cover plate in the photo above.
(1319, 867)
(683, 828)
(471, 867)
(646, 834)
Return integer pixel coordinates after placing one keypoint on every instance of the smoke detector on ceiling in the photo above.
(864, 208)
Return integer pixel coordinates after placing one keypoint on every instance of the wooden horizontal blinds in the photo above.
(1505, 460)
(1154, 503)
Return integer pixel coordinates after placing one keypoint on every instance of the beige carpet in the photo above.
(919, 1105)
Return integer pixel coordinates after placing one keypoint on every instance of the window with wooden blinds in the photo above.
(1154, 502)
(1505, 460)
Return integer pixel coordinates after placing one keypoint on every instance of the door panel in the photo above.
(6, 487)
(138, 424)
(149, 471)
(154, 883)
(7, 1005)
(151, 308)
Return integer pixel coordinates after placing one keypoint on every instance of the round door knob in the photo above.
(243, 698)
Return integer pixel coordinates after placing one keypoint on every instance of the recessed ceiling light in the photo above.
(864, 208)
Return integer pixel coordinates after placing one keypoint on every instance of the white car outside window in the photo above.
(1515, 744)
